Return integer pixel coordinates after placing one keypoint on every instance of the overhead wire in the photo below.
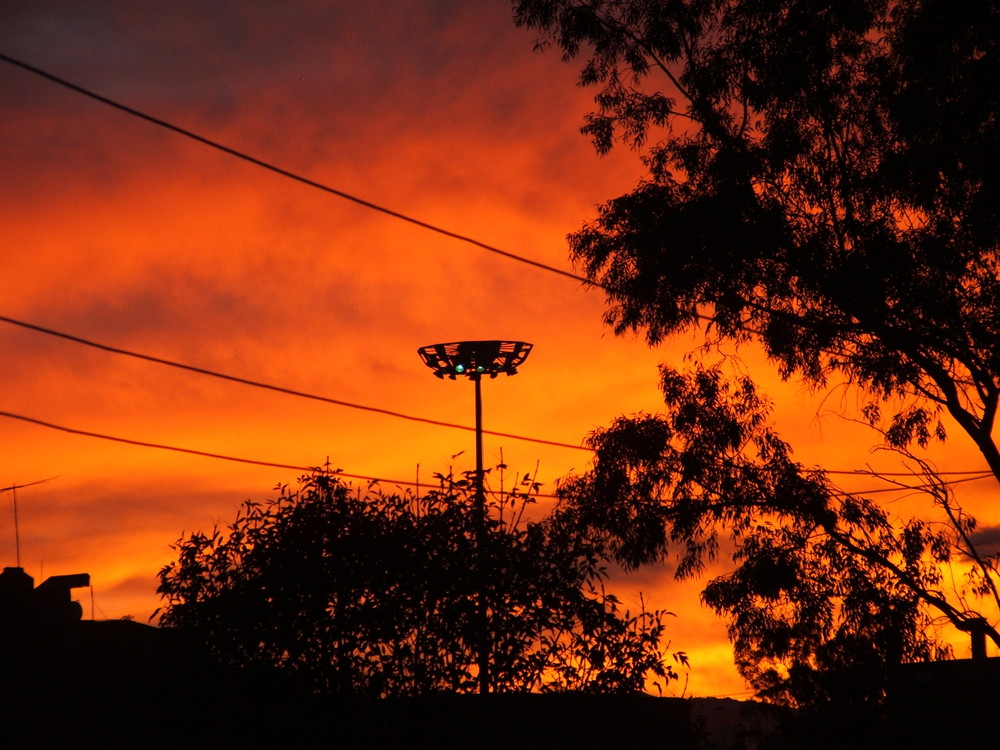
(206, 454)
(271, 387)
(298, 467)
(919, 487)
(292, 175)
(374, 409)
(340, 194)
(176, 449)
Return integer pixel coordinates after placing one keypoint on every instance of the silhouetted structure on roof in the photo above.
(51, 603)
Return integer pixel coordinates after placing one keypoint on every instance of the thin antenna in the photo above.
(17, 531)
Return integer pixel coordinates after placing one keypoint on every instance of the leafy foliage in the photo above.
(827, 591)
(376, 595)
(820, 181)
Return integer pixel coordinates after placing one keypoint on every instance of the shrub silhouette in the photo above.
(375, 594)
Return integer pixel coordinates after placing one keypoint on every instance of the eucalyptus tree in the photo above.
(821, 181)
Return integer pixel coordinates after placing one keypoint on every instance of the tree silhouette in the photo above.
(375, 595)
(827, 591)
(821, 181)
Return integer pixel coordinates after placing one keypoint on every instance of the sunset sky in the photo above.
(118, 231)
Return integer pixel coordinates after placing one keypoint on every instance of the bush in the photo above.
(375, 594)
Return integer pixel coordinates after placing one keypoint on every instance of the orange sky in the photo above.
(118, 231)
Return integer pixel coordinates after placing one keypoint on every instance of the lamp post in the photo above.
(474, 359)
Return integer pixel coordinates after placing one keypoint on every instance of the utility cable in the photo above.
(177, 449)
(340, 194)
(916, 488)
(295, 467)
(326, 188)
(978, 473)
(206, 454)
(292, 175)
(276, 388)
(378, 410)
(407, 483)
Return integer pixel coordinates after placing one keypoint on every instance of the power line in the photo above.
(177, 449)
(915, 488)
(388, 412)
(346, 196)
(295, 467)
(979, 473)
(205, 454)
(270, 387)
(292, 175)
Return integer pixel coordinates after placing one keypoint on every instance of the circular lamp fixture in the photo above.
(474, 358)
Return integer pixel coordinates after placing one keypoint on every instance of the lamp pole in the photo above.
(474, 359)
(480, 490)
(482, 604)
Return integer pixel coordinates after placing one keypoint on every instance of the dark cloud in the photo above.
(987, 539)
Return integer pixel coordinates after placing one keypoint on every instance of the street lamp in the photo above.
(474, 359)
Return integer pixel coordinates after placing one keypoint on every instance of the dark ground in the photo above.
(121, 682)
